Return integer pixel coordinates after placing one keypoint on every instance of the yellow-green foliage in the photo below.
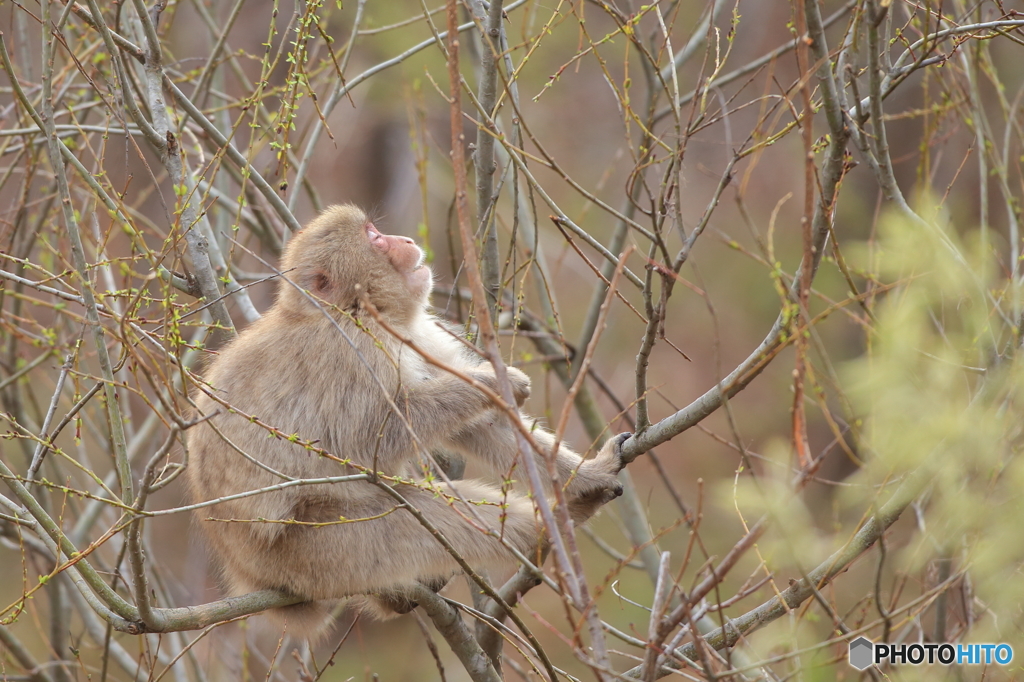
(937, 417)
(937, 391)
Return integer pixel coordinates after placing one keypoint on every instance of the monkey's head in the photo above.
(341, 253)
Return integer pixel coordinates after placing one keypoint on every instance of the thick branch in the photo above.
(484, 156)
(458, 635)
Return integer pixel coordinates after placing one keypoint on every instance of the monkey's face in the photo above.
(341, 255)
(405, 256)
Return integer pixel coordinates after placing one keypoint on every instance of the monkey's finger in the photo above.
(615, 491)
(617, 448)
(609, 494)
(520, 385)
(606, 494)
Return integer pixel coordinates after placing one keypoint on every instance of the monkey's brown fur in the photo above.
(295, 370)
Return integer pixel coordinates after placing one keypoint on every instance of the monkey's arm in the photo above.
(491, 439)
(440, 406)
(588, 483)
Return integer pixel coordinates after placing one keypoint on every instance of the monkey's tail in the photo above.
(309, 620)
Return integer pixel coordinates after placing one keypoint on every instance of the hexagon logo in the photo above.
(861, 653)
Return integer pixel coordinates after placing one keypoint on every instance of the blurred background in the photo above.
(348, 103)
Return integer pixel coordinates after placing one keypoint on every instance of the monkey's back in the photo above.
(303, 380)
(304, 383)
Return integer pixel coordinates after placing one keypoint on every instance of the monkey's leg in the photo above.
(389, 547)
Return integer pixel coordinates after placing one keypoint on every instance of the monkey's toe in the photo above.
(435, 584)
(394, 603)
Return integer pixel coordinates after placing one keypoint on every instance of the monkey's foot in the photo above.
(399, 603)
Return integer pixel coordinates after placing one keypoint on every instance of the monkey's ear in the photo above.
(321, 283)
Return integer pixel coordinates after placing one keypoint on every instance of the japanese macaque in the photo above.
(322, 365)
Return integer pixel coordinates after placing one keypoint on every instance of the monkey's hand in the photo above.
(596, 482)
(516, 378)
